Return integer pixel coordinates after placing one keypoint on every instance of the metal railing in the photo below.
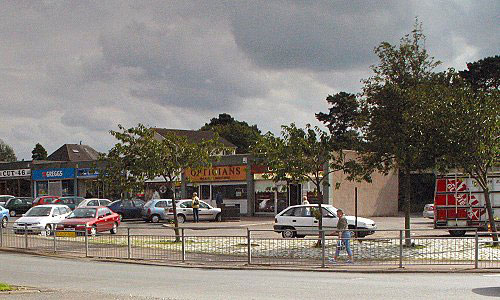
(258, 247)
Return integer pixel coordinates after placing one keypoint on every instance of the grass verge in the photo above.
(4, 287)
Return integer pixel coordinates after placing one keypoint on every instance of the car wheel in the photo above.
(114, 230)
(93, 230)
(218, 218)
(4, 222)
(289, 233)
(181, 219)
(155, 218)
(457, 233)
(48, 230)
(12, 213)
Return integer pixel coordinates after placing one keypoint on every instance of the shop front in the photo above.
(271, 198)
(16, 182)
(54, 182)
(228, 181)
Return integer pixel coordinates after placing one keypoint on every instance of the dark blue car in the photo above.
(127, 209)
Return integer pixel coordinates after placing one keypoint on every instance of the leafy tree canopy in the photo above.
(6, 152)
(239, 133)
(483, 74)
(39, 152)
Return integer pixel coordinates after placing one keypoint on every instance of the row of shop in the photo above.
(240, 183)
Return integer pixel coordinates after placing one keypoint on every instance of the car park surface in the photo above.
(41, 218)
(95, 219)
(127, 209)
(185, 211)
(154, 210)
(19, 205)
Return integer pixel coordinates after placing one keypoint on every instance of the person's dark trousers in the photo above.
(196, 215)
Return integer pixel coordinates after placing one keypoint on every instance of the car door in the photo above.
(101, 223)
(329, 221)
(138, 205)
(186, 209)
(204, 211)
(303, 221)
(108, 218)
(127, 207)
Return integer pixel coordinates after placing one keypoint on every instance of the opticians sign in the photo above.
(15, 173)
(222, 173)
(50, 174)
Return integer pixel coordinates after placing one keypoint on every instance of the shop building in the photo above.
(15, 178)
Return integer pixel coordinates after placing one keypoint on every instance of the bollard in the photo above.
(476, 251)
(86, 241)
(129, 246)
(183, 245)
(401, 248)
(249, 247)
(25, 235)
(55, 237)
(323, 247)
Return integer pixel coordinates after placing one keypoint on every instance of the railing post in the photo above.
(183, 243)
(323, 247)
(86, 241)
(55, 237)
(1, 235)
(129, 246)
(25, 235)
(476, 251)
(249, 246)
(401, 248)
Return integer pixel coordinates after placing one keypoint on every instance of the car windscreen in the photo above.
(39, 212)
(333, 210)
(82, 213)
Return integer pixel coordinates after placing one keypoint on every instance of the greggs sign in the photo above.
(222, 173)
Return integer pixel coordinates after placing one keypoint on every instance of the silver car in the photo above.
(428, 211)
(154, 210)
(185, 211)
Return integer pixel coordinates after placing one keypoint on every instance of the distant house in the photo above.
(74, 153)
(197, 136)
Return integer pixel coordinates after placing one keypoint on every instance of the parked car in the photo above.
(299, 221)
(41, 218)
(127, 209)
(185, 211)
(5, 198)
(43, 200)
(94, 202)
(428, 211)
(154, 210)
(18, 206)
(71, 201)
(96, 219)
(4, 216)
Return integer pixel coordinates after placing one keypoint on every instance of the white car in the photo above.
(185, 211)
(41, 219)
(299, 221)
(93, 202)
(428, 211)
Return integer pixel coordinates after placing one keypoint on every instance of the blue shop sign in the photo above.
(50, 174)
(87, 173)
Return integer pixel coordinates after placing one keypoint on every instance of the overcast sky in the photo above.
(71, 71)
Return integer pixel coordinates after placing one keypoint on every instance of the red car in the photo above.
(97, 219)
(44, 200)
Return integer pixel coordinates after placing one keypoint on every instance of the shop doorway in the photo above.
(295, 190)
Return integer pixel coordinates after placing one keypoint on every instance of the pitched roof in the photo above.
(194, 136)
(74, 152)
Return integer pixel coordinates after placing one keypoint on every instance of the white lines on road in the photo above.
(492, 275)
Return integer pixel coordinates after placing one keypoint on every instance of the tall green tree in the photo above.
(142, 154)
(39, 152)
(483, 74)
(395, 134)
(301, 155)
(239, 133)
(6, 152)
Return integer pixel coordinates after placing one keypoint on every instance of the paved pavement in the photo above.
(77, 279)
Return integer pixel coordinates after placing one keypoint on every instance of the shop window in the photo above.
(68, 187)
(264, 202)
(205, 192)
(42, 188)
(237, 191)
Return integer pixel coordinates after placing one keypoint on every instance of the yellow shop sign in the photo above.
(222, 173)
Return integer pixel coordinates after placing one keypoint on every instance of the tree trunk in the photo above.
(491, 217)
(320, 220)
(174, 208)
(407, 180)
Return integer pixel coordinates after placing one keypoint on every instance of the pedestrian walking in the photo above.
(196, 206)
(344, 237)
(304, 200)
(218, 199)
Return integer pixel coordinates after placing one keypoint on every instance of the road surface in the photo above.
(81, 279)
